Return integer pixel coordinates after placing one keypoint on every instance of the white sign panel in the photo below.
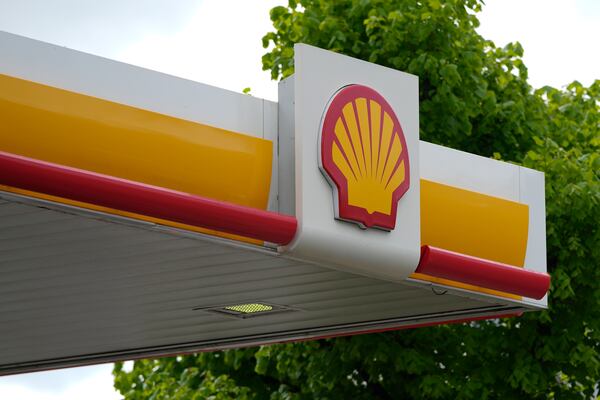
(356, 169)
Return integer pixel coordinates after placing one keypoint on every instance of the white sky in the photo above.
(218, 42)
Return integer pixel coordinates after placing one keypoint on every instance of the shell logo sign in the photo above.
(364, 157)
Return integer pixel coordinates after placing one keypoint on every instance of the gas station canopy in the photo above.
(147, 215)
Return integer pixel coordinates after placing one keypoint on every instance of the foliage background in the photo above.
(474, 96)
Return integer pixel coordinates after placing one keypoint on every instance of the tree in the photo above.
(474, 96)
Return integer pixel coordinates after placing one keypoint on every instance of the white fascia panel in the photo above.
(115, 81)
(270, 130)
(532, 193)
(469, 171)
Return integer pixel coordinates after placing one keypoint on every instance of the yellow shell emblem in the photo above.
(364, 156)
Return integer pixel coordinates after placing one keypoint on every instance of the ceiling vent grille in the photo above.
(247, 310)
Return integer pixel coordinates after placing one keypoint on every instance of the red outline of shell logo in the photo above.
(364, 157)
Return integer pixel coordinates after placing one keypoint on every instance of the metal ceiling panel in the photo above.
(80, 287)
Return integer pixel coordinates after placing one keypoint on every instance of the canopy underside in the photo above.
(81, 287)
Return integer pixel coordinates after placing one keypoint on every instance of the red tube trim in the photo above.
(120, 194)
(479, 272)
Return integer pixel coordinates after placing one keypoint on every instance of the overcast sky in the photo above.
(218, 42)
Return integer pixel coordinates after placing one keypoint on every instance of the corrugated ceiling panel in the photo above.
(80, 285)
